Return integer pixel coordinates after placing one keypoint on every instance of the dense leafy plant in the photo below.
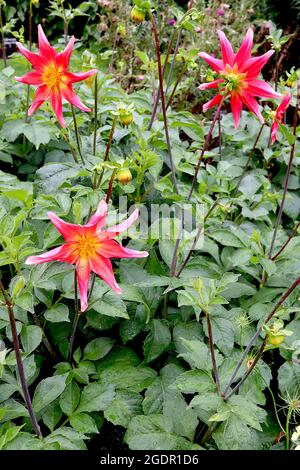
(201, 347)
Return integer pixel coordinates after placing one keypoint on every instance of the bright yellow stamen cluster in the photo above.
(235, 80)
(52, 76)
(86, 246)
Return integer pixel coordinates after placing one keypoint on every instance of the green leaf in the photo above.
(31, 337)
(82, 422)
(127, 377)
(96, 397)
(157, 341)
(194, 381)
(97, 348)
(57, 313)
(124, 406)
(110, 304)
(69, 399)
(155, 432)
(48, 390)
(289, 378)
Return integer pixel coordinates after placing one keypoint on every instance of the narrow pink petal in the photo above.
(112, 249)
(114, 231)
(99, 217)
(64, 253)
(41, 94)
(70, 232)
(35, 59)
(283, 106)
(244, 51)
(262, 89)
(216, 64)
(213, 102)
(274, 130)
(70, 96)
(103, 267)
(46, 50)
(31, 78)
(78, 77)
(236, 107)
(254, 65)
(226, 47)
(214, 84)
(56, 103)
(83, 272)
(252, 104)
(63, 58)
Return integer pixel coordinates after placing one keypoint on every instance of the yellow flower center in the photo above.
(86, 246)
(52, 76)
(234, 80)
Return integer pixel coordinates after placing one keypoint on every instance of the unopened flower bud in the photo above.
(137, 15)
(124, 176)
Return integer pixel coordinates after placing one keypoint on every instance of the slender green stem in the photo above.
(162, 98)
(107, 150)
(110, 186)
(204, 148)
(95, 114)
(155, 105)
(287, 428)
(287, 242)
(77, 134)
(212, 352)
(173, 61)
(2, 38)
(249, 370)
(77, 314)
(287, 176)
(20, 365)
(67, 140)
(44, 337)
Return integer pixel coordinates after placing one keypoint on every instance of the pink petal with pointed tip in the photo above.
(35, 59)
(274, 130)
(254, 65)
(114, 231)
(262, 89)
(214, 84)
(46, 50)
(41, 94)
(244, 51)
(64, 254)
(236, 107)
(283, 106)
(70, 232)
(252, 104)
(70, 96)
(63, 58)
(112, 249)
(99, 217)
(83, 272)
(103, 267)
(31, 78)
(78, 77)
(56, 103)
(226, 47)
(211, 103)
(216, 64)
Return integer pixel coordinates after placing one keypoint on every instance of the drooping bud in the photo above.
(124, 176)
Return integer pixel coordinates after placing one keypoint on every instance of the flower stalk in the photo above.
(20, 365)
